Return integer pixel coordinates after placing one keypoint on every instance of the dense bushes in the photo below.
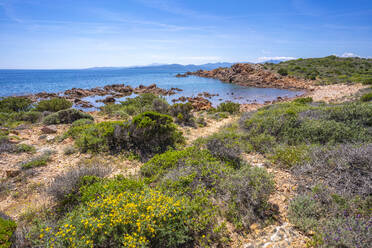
(366, 97)
(229, 107)
(53, 105)
(195, 172)
(298, 123)
(65, 187)
(126, 213)
(327, 70)
(336, 221)
(182, 114)
(137, 105)
(146, 134)
(66, 116)
(15, 104)
(346, 168)
(7, 228)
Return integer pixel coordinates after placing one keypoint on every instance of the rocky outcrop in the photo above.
(198, 103)
(252, 75)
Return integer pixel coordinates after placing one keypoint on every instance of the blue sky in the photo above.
(88, 33)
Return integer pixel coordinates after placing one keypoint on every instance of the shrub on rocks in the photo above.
(66, 116)
(53, 105)
(366, 97)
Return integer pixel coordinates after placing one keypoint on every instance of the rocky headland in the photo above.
(254, 75)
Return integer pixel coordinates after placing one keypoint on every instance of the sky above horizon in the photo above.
(37, 34)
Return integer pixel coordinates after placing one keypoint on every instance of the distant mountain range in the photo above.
(191, 67)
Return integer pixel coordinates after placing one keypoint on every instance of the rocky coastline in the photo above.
(254, 75)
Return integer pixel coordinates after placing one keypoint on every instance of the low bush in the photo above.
(248, 191)
(335, 220)
(367, 81)
(201, 122)
(182, 114)
(129, 219)
(298, 123)
(226, 147)
(147, 134)
(37, 161)
(69, 150)
(366, 97)
(137, 105)
(7, 229)
(53, 105)
(65, 187)
(346, 168)
(290, 156)
(82, 122)
(66, 116)
(6, 146)
(229, 107)
(283, 72)
(25, 148)
(303, 100)
(15, 104)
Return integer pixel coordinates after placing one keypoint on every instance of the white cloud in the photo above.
(261, 59)
(349, 55)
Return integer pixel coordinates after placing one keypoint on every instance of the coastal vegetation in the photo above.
(327, 70)
(146, 173)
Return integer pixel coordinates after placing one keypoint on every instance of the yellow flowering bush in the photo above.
(146, 218)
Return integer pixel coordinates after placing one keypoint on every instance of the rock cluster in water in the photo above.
(252, 75)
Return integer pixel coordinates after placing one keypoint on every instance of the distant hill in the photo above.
(175, 67)
(273, 61)
(327, 70)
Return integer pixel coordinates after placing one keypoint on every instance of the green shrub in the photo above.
(69, 150)
(283, 72)
(248, 191)
(229, 107)
(182, 114)
(201, 122)
(137, 105)
(294, 124)
(66, 116)
(15, 104)
(366, 97)
(25, 148)
(226, 147)
(367, 81)
(290, 156)
(82, 122)
(7, 229)
(53, 105)
(147, 134)
(37, 161)
(303, 100)
(145, 219)
(304, 212)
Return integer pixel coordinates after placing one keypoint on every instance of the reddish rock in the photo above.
(253, 75)
(49, 129)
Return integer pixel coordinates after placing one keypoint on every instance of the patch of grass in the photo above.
(230, 107)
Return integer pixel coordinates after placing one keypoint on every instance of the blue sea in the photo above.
(23, 82)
